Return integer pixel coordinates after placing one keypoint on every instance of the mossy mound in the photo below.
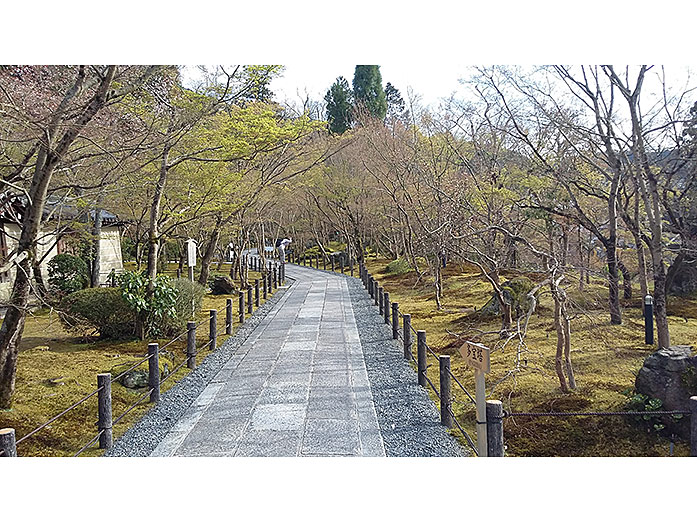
(515, 292)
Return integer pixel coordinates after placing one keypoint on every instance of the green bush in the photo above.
(155, 311)
(398, 266)
(187, 292)
(98, 310)
(67, 273)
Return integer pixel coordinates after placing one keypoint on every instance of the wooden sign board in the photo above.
(191, 252)
(476, 356)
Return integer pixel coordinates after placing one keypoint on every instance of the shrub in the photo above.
(155, 311)
(188, 292)
(101, 310)
(398, 266)
(67, 273)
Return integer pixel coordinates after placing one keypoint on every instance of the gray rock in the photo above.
(135, 379)
(664, 376)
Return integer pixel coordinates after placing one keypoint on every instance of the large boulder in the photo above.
(671, 376)
(222, 285)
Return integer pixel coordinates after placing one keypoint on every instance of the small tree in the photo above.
(67, 273)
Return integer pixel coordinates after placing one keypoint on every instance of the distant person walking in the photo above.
(282, 245)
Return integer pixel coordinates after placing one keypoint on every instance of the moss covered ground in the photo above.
(55, 369)
(606, 359)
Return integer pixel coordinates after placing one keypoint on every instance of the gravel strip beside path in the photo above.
(141, 439)
(409, 421)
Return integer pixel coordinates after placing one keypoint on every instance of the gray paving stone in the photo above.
(280, 416)
(331, 437)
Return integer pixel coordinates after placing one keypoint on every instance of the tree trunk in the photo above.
(559, 359)
(613, 283)
(210, 251)
(48, 157)
(97, 244)
(626, 279)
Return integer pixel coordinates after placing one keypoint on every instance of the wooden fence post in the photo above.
(154, 371)
(250, 302)
(693, 426)
(421, 356)
(191, 344)
(8, 443)
(369, 287)
(381, 298)
(386, 307)
(406, 320)
(241, 306)
(341, 263)
(106, 438)
(317, 261)
(445, 399)
(265, 287)
(376, 292)
(256, 292)
(494, 428)
(213, 329)
(332, 260)
(395, 320)
(228, 316)
(275, 277)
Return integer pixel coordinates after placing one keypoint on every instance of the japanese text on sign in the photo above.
(476, 356)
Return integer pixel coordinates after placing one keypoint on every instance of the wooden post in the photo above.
(693, 426)
(376, 292)
(265, 286)
(381, 299)
(241, 306)
(213, 329)
(250, 302)
(421, 357)
(324, 263)
(494, 428)
(269, 277)
(317, 261)
(480, 401)
(228, 316)
(191, 344)
(395, 320)
(8, 443)
(179, 272)
(445, 399)
(386, 307)
(406, 323)
(341, 263)
(191, 273)
(106, 438)
(256, 292)
(332, 260)
(648, 319)
(370, 286)
(154, 371)
(275, 277)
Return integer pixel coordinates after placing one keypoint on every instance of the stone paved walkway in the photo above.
(298, 386)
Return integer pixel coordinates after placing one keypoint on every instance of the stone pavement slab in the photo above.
(298, 386)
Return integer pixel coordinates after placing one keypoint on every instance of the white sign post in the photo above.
(476, 356)
(191, 256)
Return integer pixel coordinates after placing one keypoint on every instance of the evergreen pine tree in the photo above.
(339, 101)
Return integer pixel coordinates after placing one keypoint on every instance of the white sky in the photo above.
(431, 81)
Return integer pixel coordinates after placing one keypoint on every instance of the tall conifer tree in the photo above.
(368, 90)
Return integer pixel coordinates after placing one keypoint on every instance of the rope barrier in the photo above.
(59, 415)
(174, 370)
(461, 386)
(432, 386)
(91, 442)
(464, 433)
(620, 413)
(173, 340)
(129, 409)
(131, 368)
